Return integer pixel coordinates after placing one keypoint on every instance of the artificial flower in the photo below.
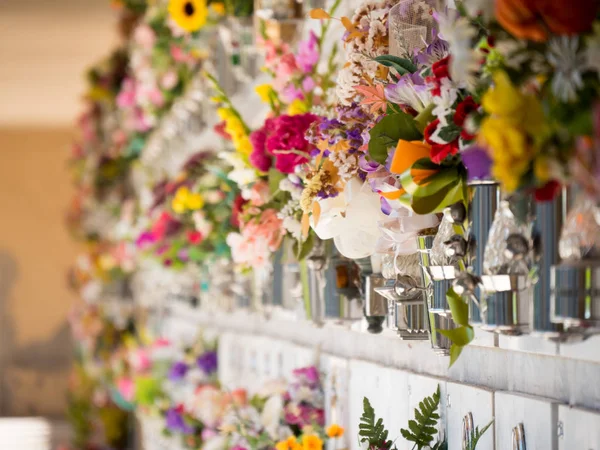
(312, 442)
(185, 200)
(291, 443)
(190, 15)
(334, 431)
(536, 19)
(265, 92)
(374, 97)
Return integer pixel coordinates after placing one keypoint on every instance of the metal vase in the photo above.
(436, 286)
(486, 196)
(548, 224)
(376, 305)
(410, 321)
(575, 296)
(332, 286)
(505, 308)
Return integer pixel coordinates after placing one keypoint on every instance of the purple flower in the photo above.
(303, 415)
(478, 163)
(176, 423)
(308, 53)
(207, 362)
(309, 375)
(178, 371)
(146, 238)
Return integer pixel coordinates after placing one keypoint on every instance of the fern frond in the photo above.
(371, 429)
(423, 429)
(476, 435)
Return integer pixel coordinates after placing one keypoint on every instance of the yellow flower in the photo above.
(297, 107)
(289, 444)
(190, 15)
(335, 431)
(179, 201)
(184, 200)
(264, 92)
(195, 201)
(244, 146)
(218, 8)
(312, 442)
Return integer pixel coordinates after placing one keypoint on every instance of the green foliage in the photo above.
(423, 429)
(400, 65)
(371, 429)
(462, 335)
(388, 132)
(476, 435)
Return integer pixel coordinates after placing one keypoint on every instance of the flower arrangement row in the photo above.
(122, 371)
(393, 140)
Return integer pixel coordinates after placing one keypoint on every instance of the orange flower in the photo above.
(335, 431)
(533, 19)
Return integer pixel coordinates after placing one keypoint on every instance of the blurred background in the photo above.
(45, 47)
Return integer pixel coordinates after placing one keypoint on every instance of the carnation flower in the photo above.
(286, 141)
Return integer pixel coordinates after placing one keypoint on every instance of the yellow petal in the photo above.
(319, 13)
(316, 211)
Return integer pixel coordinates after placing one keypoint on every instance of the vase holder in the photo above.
(575, 296)
(410, 321)
(242, 291)
(440, 281)
(376, 305)
(333, 292)
(505, 304)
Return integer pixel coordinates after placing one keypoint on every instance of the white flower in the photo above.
(444, 102)
(271, 415)
(484, 8)
(459, 33)
(202, 225)
(564, 58)
(406, 92)
(293, 227)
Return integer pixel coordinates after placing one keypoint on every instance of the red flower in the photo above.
(464, 108)
(236, 210)
(440, 68)
(547, 192)
(194, 237)
(440, 152)
(220, 130)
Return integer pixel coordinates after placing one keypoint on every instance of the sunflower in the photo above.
(188, 14)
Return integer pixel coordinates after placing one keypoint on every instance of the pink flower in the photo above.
(165, 226)
(287, 65)
(259, 193)
(308, 53)
(289, 93)
(308, 84)
(126, 388)
(169, 80)
(180, 56)
(144, 36)
(259, 158)
(140, 362)
(287, 140)
(126, 97)
(156, 97)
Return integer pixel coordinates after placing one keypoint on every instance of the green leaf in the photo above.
(275, 177)
(425, 117)
(461, 335)
(455, 351)
(438, 201)
(302, 250)
(449, 133)
(458, 307)
(388, 132)
(476, 435)
(372, 430)
(423, 430)
(401, 65)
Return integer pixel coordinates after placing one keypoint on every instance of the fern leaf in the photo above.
(371, 429)
(423, 429)
(476, 435)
